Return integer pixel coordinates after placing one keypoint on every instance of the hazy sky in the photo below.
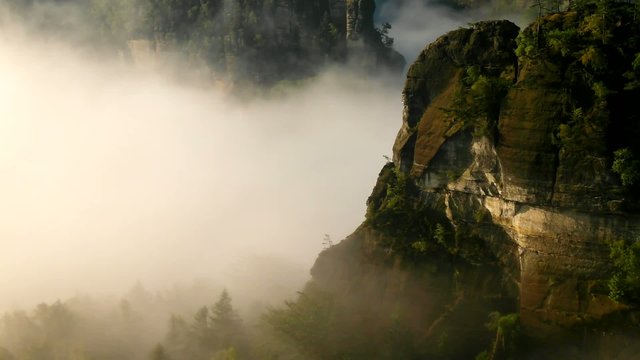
(113, 173)
(417, 23)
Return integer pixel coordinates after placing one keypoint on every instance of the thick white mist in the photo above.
(112, 174)
(415, 24)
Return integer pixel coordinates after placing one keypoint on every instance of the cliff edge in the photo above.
(513, 175)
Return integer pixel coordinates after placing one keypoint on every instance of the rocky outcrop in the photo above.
(360, 19)
(508, 152)
(264, 42)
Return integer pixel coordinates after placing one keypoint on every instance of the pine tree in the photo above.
(225, 323)
(200, 332)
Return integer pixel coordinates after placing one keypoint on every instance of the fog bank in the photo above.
(415, 24)
(115, 174)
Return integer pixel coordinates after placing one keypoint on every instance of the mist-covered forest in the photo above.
(140, 325)
(259, 42)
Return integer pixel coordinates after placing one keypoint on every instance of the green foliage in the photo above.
(228, 354)
(420, 246)
(561, 40)
(307, 321)
(81, 329)
(585, 131)
(627, 165)
(399, 340)
(118, 20)
(178, 335)
(440, 236)
(479, 216)
(591, 50)
(476, 103)
(594, 58)
(409, 228)
(226, 325)
(213, 332)
(50, 332)
(527, 44)
(324, 325)
(327, 36)
(508, 333)
(383, 35)
(636, 62)
(633, 76)
(624, 285)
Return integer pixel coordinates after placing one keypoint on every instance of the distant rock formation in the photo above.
(267, 42)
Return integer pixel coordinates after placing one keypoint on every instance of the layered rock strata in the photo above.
(519, 174)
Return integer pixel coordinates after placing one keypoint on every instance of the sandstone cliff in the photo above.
(263, 42)
(501, 195)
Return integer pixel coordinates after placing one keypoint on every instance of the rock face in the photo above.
(263, 42)
(360, 19)
(559, 231)
(496, 150)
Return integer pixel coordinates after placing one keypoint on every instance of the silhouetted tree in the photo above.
(225, 323)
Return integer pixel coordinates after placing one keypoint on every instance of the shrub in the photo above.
(624, 284)
(476, 103)
(627, 166)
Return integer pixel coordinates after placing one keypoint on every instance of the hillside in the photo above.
(506, 225)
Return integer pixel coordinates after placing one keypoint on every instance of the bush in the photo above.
(409, 227)
(476, 103)
(624, 284)
(627, 166)
(507, 328)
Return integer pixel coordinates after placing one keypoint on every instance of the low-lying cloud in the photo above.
(114, 174)
(418, 23)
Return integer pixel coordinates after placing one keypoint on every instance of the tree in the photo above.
(627, 166)
(56, 321)
(225, 323)
(177, 339)
(327, 242)
(507, 328)
(383, 34)
(307, 322)
(624, 285)
(159, 353)
(327, 36)
(228, 354)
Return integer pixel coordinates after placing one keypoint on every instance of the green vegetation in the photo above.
(78, 330)
(323, 325)
(633, 76)
(383, 35)
(583, 50)
(414, 232)
(591, 48)
(507, 337)
(214, 332)
(476, 103)
(624, 285)
(627, 165)
(308, 321)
